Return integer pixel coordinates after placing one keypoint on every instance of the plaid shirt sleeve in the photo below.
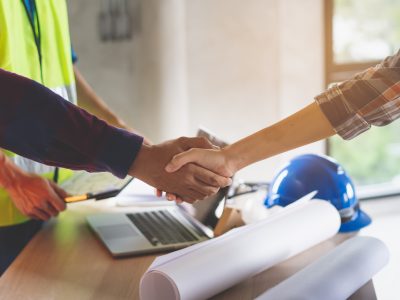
(370, 98)
(40, 125)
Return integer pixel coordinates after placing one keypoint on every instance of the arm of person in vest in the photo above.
(91, 102)
(34, 196)
(40, 125)
(348, 109)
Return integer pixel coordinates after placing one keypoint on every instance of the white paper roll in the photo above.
(205, 269)
(336, 275)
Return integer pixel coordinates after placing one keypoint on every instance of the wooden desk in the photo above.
(66, 261)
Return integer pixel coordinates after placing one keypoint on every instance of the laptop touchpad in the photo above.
(117, 231)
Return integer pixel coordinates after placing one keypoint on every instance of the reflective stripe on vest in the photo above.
(20, 55)
(68, 92)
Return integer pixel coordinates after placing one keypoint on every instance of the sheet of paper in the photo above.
(142, 201)
(173, 255)
(176, 254)
(137, 187)
(201, 271)
(336, 275)
(139, 193)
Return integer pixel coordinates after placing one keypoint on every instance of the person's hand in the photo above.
(37, 197)
(216, 160)
(190, 183)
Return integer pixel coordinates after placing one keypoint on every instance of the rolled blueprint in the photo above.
(205, 269)
(336, 275)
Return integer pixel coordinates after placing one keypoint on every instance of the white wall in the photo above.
(110, 68)
(233, 66)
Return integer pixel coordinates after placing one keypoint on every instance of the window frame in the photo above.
(335, 72)
(338, 72)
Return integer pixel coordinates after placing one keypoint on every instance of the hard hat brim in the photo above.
(359, 222)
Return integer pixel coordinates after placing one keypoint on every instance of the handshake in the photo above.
(187, 169)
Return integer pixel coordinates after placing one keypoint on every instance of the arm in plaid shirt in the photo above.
(40, 125)
(370, 98)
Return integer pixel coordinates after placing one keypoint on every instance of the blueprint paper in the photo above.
(205, 269)
(336, 275)
(278, 214)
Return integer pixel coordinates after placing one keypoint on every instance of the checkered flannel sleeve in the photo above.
(370, 98)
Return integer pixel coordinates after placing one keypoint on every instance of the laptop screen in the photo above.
(209, 210)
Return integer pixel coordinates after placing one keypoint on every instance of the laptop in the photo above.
(157, 230)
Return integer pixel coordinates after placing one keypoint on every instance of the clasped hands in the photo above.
(182, 178)
(188, 169)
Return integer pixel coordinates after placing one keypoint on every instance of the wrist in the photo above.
(138, 167)
(234, 161)
(10, 174)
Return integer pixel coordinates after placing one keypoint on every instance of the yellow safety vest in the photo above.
(44, 57)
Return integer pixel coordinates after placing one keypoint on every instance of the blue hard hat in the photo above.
(307, 173)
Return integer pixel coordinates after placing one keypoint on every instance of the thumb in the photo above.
(181, 159)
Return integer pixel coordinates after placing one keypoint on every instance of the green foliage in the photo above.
(365, 23)
(372, 157)
(361, 27)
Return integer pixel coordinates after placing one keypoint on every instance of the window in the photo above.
(365, 30)
(360, 33)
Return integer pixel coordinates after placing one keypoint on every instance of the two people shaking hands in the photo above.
(188, 169)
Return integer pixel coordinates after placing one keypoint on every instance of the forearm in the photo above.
(40, 125)
(304, 127)
(350, 108)
(91, 102)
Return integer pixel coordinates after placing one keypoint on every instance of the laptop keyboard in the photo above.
(161, 227)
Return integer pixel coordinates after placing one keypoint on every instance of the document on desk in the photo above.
(205, 269)
(336, 275)
(139, 193)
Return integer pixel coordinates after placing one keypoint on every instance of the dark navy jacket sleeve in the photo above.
(40, 125)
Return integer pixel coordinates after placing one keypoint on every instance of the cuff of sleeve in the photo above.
(119, 151)
(346, 122)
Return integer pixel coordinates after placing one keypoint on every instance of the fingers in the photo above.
(212, 179)
(194, 192)
(178, 200)
(56, 197)
(58, 190)
(39, 214)
(181, 159)
(49, 209)
(37, 197)
(191, 195)
(204, 192)
(171, 197)
(196, 180)
(193, 183)
(43, 211)
(159, 193)
(168, 196)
